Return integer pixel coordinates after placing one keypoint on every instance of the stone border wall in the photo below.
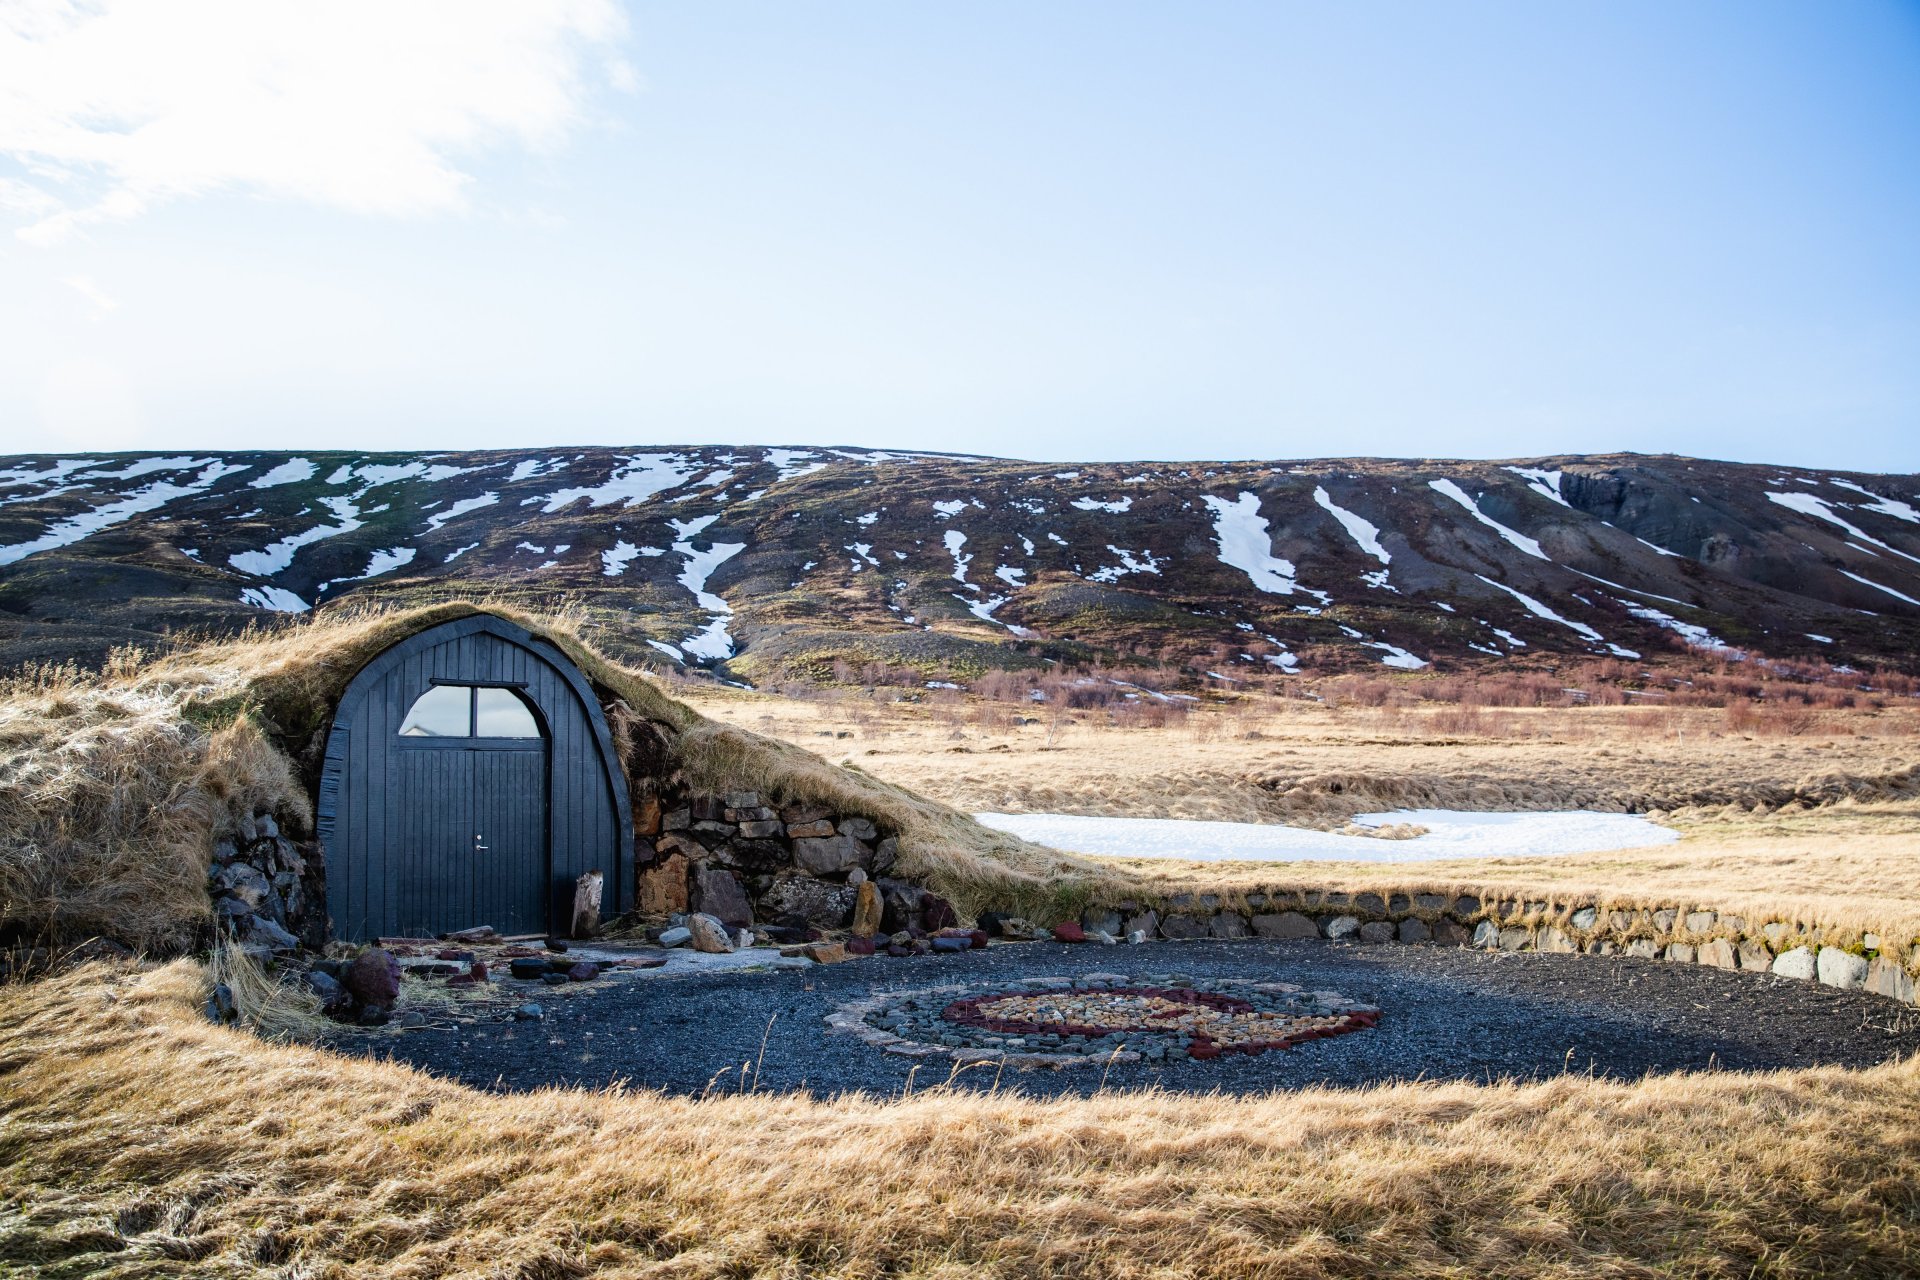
(1683, 935)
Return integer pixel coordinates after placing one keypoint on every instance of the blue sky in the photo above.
(1060, 231)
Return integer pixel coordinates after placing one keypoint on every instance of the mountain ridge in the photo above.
(770, 563)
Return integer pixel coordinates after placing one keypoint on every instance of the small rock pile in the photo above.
(1058, 1022)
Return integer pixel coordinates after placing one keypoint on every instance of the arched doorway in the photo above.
(469, 780)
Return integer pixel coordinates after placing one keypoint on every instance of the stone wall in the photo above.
(267, 890)
(1680, 934)
(744, 861)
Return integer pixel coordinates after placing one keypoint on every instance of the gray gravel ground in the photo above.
(1447, 1013)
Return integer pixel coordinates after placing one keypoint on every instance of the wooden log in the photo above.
(586, 905)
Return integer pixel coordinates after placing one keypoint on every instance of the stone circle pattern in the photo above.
(1099, 1018)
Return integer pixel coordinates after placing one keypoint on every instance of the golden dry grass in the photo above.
(141, 1141)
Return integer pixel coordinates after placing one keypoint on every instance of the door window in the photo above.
(469, 711)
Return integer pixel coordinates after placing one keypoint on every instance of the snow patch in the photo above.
(1544, 483)
(1885, 506)
(278, 599)
(1128, 564)
(1114, 507)
(614, 560)
(637, 478)
(1898, 595)
(1450, 834)
(1692, 632)
(1246, 544)
(1364, 532)
(956, 540)
(1448, 488)
(1809, 505)
(1539, 610)
(461, 508)
(65, 533)
(292, 471)
(713, 642)
(791, 464)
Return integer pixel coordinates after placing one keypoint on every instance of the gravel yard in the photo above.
(1446, 1013)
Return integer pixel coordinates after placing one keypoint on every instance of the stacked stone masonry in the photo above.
(744, 861)
(1684, 935)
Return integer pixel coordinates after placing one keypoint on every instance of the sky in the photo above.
(1056, 230)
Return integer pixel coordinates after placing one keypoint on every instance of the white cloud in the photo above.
(373, 106)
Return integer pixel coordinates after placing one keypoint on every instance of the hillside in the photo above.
(773, 564)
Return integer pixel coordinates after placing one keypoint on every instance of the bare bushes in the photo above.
(110, 801)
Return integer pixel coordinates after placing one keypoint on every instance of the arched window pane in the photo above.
(444, 711)
(500, 713)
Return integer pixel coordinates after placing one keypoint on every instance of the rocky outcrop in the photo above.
(268, 894)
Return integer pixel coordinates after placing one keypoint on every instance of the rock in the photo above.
(1101, 921)
(1068, 931)
(1797, 963)
(819, 903)
(1229, 924)
(899, 906)
(1466, 906)
(529, 1013)
(857, 876)
(1842, 969)
(1515, 938)
(829, 952)
(1681, 952)
(373, 978)
(1700, 921)
(936, 913)
(1776, 933)
(1644, 949)
(1451, 933)
(825, 856)
(866, 910)
(1755, 956)
(1182, 926)
(245, 882)
(760, 830)
(1664, 918)
(858, 828)
(410, 1019)
(718, 894)
(220, 1006)
(1377, 931)
(1718, 953)
(334, 999)
(820, 830)
(1885, 977)
(1430, 901)
(262, 932)
(479, 933)
(1104, 938)
(709, 934)
(1138, 937)
(885, 854)
(527, 968)
(707, 809)
(1486, 934)
(801, 814)
(993, 923)
(1286, 924)
(743, 799)
(1340, 927)
(1555, 940)
(1586, 917)
(1414, 930)
(662, 889)
(1147, 922)
(1372, 903)
(860, 946)
(585, 971)
(677, 936)
(949, 944)
(1398, 904)
(374, 1016)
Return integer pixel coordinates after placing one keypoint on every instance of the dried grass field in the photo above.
(137, 1139)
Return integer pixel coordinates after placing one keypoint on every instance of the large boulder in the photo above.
(1841, 969)
(662, 889)
(373, 978)
(709, 934)
(1285, 924)
(819, 902)
(866, 909)
(827, 856)
(718, 894)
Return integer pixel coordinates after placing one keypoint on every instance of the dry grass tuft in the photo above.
(122, 1104)
(273, 1006)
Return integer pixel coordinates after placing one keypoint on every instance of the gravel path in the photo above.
(1447, 1013)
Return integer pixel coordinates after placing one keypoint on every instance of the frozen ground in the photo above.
(1451, 834)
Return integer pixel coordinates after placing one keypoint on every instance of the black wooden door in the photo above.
(510, 873)
(473, 837)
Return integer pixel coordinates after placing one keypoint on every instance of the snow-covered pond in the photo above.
(1451, 833)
